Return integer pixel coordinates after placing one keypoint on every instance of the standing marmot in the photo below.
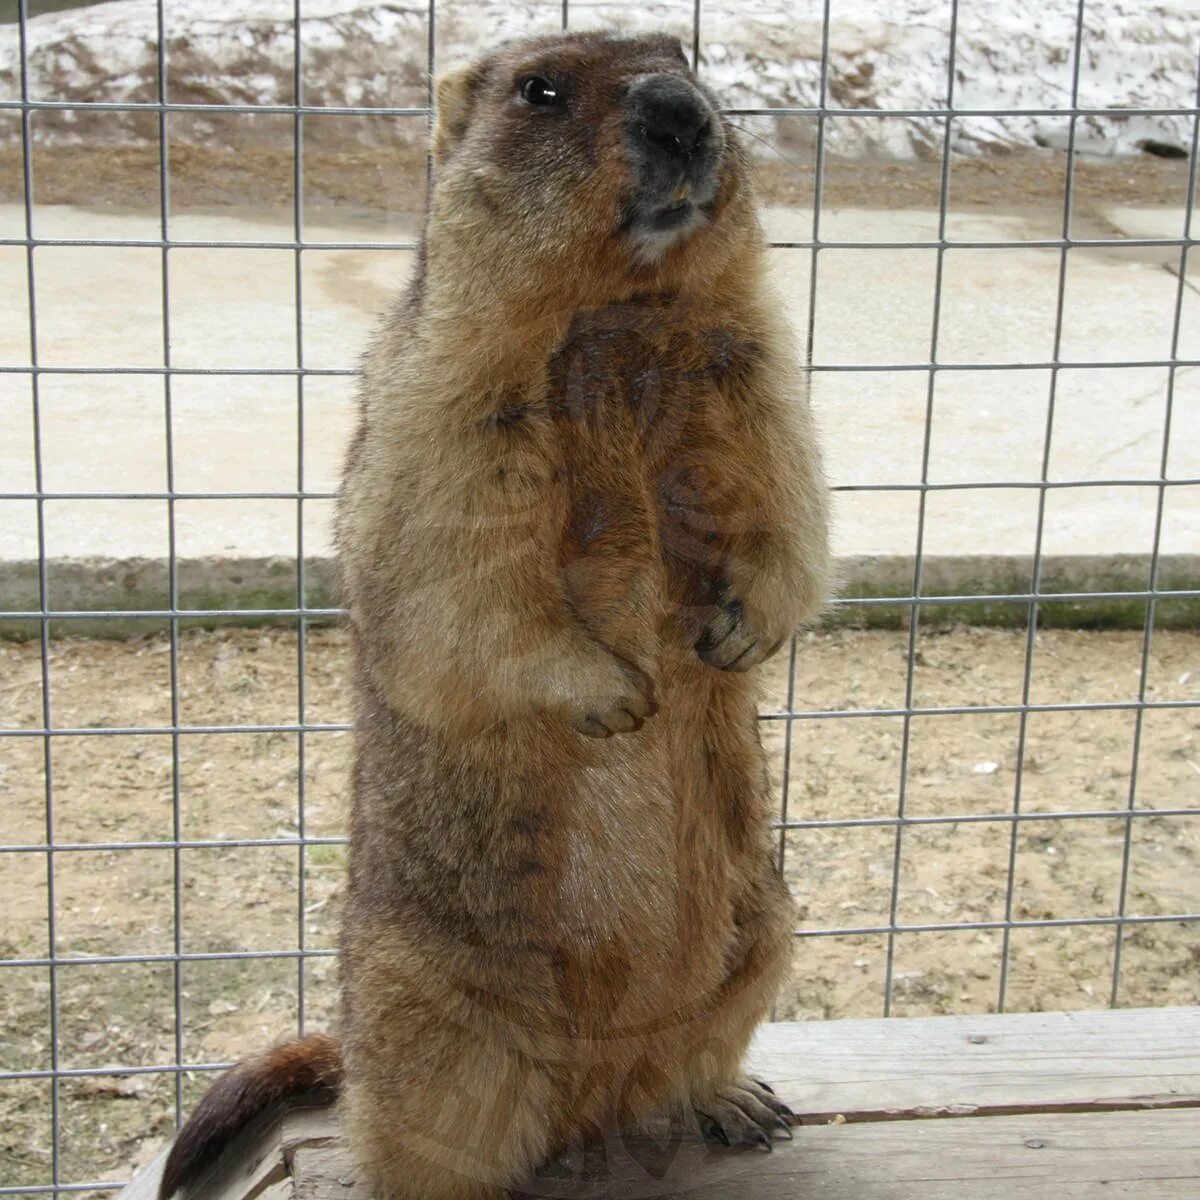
(583, 499)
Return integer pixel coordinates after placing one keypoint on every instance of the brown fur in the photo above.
(577, 470)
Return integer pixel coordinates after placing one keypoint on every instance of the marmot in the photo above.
(583, 500)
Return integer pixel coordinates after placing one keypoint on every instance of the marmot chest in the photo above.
(656, 363)
(644, 399)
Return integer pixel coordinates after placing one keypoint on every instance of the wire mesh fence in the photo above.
(70, 859)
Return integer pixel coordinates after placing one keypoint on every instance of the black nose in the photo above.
(670, 114)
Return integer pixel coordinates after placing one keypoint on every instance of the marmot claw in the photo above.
(744, 1114)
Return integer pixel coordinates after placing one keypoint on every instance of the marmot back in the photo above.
(582, 503)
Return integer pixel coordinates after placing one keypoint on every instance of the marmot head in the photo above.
(592, 160)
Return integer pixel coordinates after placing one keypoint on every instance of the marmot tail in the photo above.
(312, 1064)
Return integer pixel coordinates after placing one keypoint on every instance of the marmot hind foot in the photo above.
(744, 1113)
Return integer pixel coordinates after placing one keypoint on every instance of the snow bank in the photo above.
(883, 54)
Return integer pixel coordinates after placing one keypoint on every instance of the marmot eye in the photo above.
(537, 89)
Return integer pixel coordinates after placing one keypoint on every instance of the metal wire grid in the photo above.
(302, 613)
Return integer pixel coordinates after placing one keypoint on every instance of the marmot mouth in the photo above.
(655, 228)
(673, 216)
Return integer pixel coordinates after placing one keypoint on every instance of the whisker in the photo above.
(758, 137)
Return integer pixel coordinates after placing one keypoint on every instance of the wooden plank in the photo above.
(144, 1185)
(1061, 1070)
(1150, 1155)
(1087, 1061)
(321, 1171)
(283, 1190)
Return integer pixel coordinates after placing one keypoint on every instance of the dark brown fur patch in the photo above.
(311, 1067)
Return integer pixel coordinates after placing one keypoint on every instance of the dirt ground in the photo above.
(242, 785)
(255, 169)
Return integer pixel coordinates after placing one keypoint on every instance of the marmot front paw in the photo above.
(616, 703)
(735, 639)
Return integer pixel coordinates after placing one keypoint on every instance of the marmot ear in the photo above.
(456, 92)
(674, 45)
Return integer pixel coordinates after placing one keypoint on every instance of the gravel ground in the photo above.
(245, 786)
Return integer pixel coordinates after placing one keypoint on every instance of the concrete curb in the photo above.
(246, 590)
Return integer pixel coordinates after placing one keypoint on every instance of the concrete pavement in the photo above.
(235, 308)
